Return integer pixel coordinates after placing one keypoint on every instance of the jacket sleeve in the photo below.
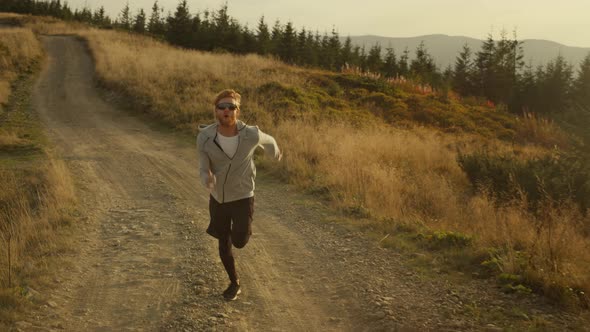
(204, 161)
(269, 145)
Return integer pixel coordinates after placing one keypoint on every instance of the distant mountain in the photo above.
(445, 49)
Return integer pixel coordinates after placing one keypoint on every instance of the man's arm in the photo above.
(207, 178)
(269, 145)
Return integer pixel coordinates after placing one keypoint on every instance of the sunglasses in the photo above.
(226, 106)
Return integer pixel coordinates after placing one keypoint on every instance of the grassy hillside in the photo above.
(37, 195)
(405, 162)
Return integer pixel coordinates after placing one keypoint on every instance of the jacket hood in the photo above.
(211, 130)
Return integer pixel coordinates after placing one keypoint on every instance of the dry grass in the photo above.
(404, 176)
(37, 195)
(42, 24)
(4, 91)
(52, 26)
(381, 170)
(535, 129)
(178, 85)
(35, 204)
(10, 140)
(18, 47)
(412, 177)
(551, 252)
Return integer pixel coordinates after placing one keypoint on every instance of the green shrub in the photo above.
(518, 288)
(278, 91)
(507, 278)
(327, 84)
(357, 211)
(445, 240)
(493, 265)
(513, 283)
(558, 177)
(349, 82)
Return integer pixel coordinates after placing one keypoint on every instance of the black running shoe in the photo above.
(231, 293)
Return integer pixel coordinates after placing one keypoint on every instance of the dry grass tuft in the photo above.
(18, 48)
(11, 141)
(34, 205)
(533, 128)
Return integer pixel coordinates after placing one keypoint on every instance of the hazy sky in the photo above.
(565, 21)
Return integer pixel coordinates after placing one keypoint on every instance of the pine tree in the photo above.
(374, 61)
(507, 62)
(125, 17)
(205, 34)
(355, 57)
(84, 15)
(248, 43)
(287, 44)
(139, 22)
(179, 26)
(346, 56)
(263, 37)
(527, 96)
(579, 114)
(422, 67)
(462, 75)
(275, 38)
(324, 61)
(301, 57)
(313, 48)
(404, 69)
(223, 29)
(484, 68)
(198, 35)
(54, 8)
(555, 87)
(390, 65)
(66, 13)
(333, 51)
(155, 25)
(233, 38)
(363, 59)
(581, 85)
(447, 75)
(99, 17)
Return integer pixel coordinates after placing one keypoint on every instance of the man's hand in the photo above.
(211, 180)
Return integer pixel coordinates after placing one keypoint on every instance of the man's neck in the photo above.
(227, 131)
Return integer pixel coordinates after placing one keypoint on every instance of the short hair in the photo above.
(228, 93)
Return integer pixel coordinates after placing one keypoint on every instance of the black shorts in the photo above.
(230, 217)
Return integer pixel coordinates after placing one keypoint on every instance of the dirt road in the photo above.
(145, 263)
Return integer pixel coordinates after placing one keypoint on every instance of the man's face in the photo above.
(224, 112)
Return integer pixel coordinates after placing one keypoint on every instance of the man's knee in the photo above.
(239, 240)
(225, 246)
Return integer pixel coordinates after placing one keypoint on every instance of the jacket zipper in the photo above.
(229, 168)
(224, 181)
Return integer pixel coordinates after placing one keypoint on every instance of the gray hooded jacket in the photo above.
(233, 177)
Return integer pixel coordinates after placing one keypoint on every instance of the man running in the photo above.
(227, 169)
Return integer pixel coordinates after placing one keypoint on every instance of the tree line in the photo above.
(496, 72)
